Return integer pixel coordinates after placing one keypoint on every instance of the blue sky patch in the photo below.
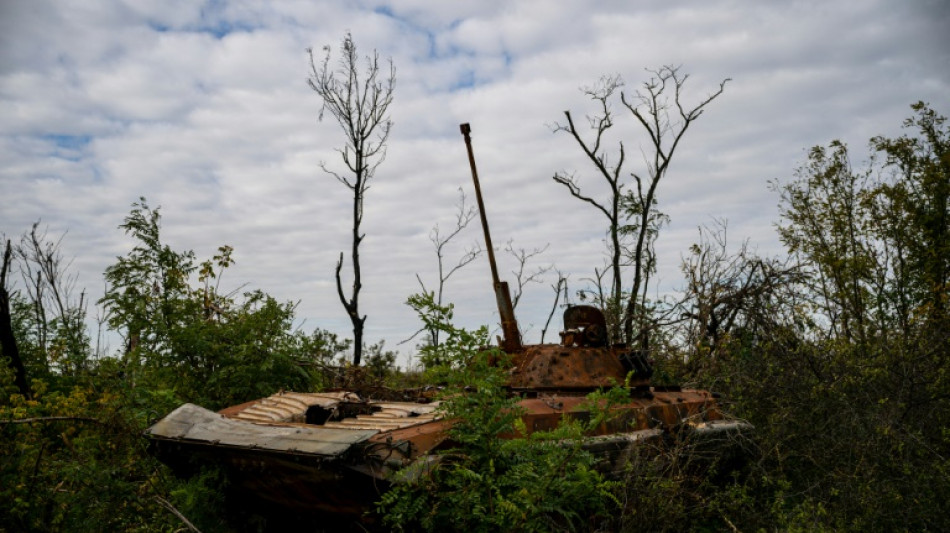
(158, 26)
(222, 28)
(68, 142)
(68, 147)
(211, 25)
(385, 10)
(465, 81)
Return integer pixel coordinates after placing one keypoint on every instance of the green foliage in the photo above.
(47, 319)
(847, 383)
(148, 294)
(838, 359)
(73, 458)
(915, 208)
(457, 345)
(25, 329)
(840, 449)
(828, 226)
(378, 360)
(489, 481)
(210, 348)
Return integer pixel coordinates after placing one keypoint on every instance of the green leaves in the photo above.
(210, 348)
(877, 240)
(73, 458)
(848, 390)
(457, 347)
(489, 481)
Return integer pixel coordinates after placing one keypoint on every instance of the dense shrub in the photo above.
(485, 481)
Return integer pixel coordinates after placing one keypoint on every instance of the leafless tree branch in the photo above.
(360, 106)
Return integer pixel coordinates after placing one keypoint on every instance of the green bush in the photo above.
(488, 481)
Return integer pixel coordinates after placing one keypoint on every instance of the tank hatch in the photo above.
(583, 361)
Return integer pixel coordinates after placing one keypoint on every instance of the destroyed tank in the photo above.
(336, 451)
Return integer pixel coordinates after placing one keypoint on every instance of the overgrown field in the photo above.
(838, 353)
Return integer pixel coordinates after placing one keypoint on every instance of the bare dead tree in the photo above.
(42, 260)
(8, 344)
(666, 121)
(523, 273)
(463, 216)
(359, 102)
(632, 213)
(610, 171)
(559, 286)
(58, 315)
(50, 287)
(726, 291)
(596, 293)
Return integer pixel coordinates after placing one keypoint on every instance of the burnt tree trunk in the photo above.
(7, 340)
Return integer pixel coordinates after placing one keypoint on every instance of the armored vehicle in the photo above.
(337, 450)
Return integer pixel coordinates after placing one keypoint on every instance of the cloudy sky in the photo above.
(203, 108)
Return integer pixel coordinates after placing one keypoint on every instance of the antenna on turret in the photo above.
(511, 341)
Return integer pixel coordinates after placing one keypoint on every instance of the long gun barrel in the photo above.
(511, 341)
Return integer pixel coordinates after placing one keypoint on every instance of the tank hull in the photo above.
(336, 452)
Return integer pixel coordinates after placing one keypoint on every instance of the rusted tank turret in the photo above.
(335, 451)
(582, 362)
